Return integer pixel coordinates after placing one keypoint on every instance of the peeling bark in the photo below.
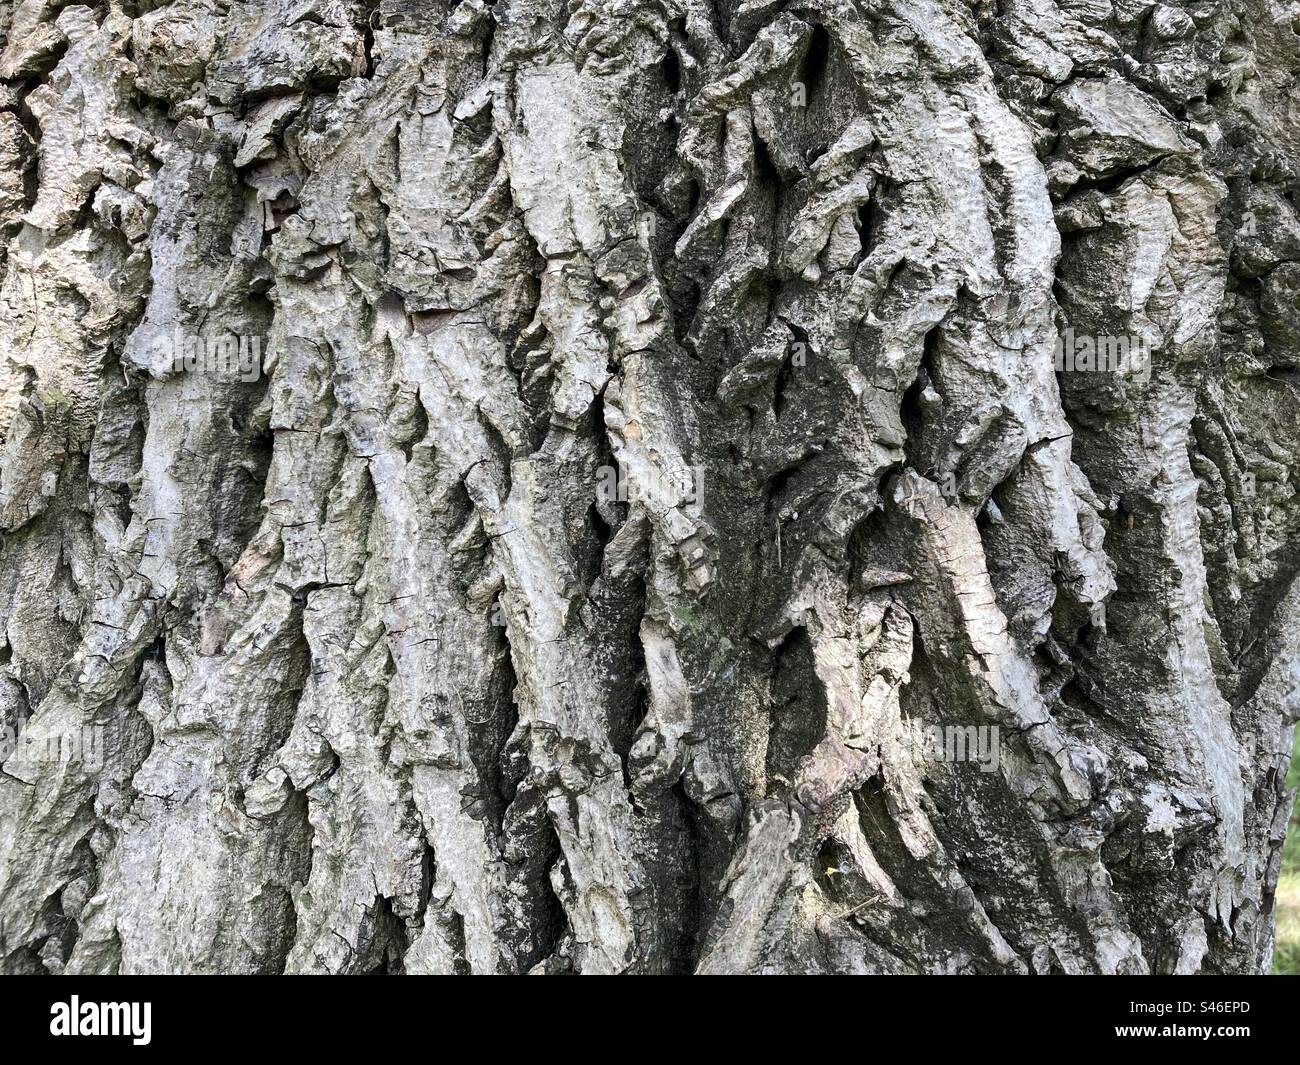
(327, 650)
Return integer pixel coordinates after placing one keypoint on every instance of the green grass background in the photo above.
(1286, 955)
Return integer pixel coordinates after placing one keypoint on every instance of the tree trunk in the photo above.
(652, 487)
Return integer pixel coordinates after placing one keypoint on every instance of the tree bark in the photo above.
(660, 448)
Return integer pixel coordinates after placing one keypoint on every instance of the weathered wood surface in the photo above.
(353, 664)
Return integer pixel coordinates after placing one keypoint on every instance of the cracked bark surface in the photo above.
(385, 685)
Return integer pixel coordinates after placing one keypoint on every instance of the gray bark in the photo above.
(356, 666)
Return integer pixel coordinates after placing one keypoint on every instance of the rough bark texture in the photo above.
(385, 683)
